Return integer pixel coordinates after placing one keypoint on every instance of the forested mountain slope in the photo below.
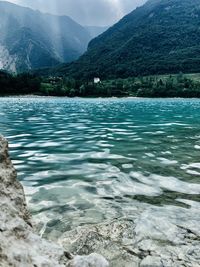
(162, 36)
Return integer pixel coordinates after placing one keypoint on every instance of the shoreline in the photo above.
(93, 97)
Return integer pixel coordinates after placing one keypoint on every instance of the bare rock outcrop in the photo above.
(20, 246)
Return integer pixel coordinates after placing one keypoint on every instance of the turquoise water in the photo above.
(87, 160)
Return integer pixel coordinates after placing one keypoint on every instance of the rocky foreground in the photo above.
(20, 246)
(155, 237)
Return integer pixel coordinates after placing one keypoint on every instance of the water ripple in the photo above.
(87, 160)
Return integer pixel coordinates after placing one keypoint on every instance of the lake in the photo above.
(83, 161)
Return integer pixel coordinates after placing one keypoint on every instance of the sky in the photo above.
(85, 12)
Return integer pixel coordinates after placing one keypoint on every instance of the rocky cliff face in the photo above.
(30, 39)
(19, 245)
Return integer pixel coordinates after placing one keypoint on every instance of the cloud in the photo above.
(86, 12)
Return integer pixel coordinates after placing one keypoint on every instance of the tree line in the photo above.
(179, 85)
(19, 84)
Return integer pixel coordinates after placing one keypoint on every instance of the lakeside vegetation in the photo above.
(19, 84)
(180, 85)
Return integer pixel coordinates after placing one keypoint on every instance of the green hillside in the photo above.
(159, 37)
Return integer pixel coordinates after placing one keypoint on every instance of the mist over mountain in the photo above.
(30, 39)
(85, 12)
(95, 31)
(162, 36)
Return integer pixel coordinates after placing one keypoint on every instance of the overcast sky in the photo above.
(86, 12)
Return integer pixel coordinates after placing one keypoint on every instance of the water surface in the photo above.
(87, 160)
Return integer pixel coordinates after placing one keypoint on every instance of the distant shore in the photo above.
(93, 97)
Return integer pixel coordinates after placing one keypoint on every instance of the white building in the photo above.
(97, 80)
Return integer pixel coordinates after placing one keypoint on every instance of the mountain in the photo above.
(30, 39)
(95, 31)
(162, 36)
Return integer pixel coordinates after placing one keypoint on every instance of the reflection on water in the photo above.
(87, 160)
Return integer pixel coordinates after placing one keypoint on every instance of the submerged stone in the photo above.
(160, 236)
(93, 260)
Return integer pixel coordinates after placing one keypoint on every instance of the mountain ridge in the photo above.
(56, 39)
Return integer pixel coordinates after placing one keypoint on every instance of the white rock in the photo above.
(93, 260)
(150, 261)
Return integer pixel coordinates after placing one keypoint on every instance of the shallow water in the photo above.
(87, 160)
